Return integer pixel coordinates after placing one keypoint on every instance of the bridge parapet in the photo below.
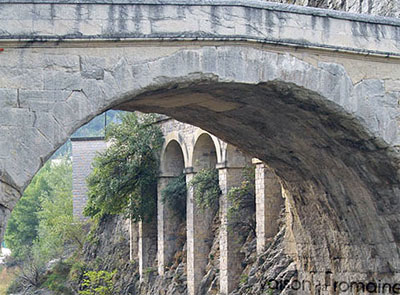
(168, 20)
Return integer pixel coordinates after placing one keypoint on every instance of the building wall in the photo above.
(83, 152)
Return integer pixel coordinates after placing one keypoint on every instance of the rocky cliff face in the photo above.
(389, 8)
(109, 250)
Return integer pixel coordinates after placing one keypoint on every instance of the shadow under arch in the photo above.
(173, 157)
(204, 153)
(337, 167)
(332, 169)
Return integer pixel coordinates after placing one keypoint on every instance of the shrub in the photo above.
(206, 188)
(243, 279)
(98, 283)
(174, 195)
(77, 271)
(242, 199)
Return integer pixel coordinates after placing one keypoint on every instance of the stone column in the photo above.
(269, 203)
(133, 240)
(167, 228)
(229, 242)
(147, 245)
(199, 239)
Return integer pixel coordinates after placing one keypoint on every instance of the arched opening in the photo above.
(172, 160)
(201, 218)
(334, 151)
(171, 209)
(204, 153)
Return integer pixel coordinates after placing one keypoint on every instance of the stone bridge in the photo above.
(313, 93)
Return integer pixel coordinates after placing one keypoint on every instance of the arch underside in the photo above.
(341, 183)
(337, 164)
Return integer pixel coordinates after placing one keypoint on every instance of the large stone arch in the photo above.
(332, 143)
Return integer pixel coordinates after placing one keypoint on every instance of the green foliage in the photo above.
(174, 195)
(57, 226)
(243, 279)
(98, 283)
(206, 188)
(149, 270)
(241, 199)
(54, 227)
(124, 178)
(57, 279)
(23, 227)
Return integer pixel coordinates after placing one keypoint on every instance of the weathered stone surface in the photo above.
(261, 21)
(269, 203)
(84, 151)
(380, 7)
(8, 98)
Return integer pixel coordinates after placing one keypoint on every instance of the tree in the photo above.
(57, 226)
(124, 177)
(43, 225)
(22, 227)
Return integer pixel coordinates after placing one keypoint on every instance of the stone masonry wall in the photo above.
(83, 152)
(380, 7)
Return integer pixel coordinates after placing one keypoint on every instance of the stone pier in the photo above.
(269, 203)
(147, 246)
(229, 242)
(199, 240)
(133, 240)
(168, 227)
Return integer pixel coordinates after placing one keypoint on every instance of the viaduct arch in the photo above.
(320, 108)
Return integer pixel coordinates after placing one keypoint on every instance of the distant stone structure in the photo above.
(189, 149)
(84, 149)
